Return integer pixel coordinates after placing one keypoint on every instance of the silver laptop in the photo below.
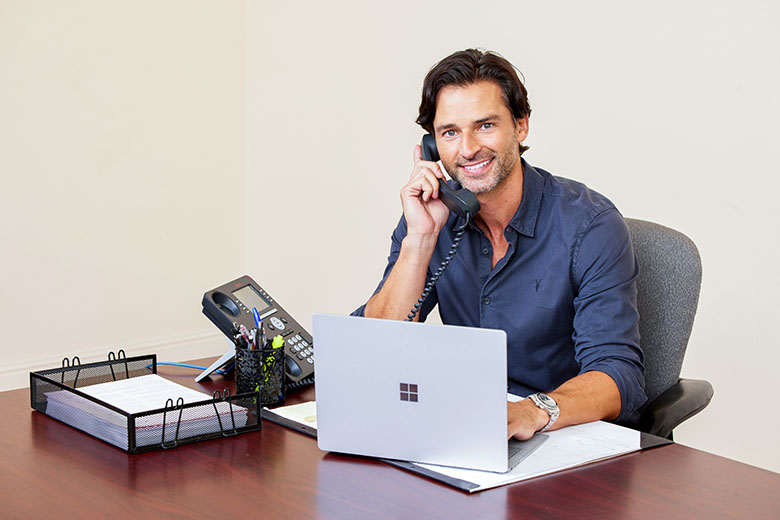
(414, 392)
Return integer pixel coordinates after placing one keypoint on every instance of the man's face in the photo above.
(477, 135)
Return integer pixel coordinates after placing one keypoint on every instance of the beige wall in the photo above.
(152, 150)
(122, 171)
(668, 108)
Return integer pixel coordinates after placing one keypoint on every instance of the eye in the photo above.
(487, 126)
(449, 133)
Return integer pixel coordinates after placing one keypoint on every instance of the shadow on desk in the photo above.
(209, 462)
(341, 479)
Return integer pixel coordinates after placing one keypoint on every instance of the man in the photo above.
(546, 259)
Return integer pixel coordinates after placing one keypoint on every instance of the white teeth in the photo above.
(477, 166)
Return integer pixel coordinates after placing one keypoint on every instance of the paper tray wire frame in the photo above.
(179, 422)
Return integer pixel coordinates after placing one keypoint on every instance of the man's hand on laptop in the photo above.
(524, 419)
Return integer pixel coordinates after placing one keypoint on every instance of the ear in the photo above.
(521, 129)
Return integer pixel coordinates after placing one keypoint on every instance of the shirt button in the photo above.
(486, 301)
(485, 251)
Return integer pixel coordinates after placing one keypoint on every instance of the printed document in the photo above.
(137, 395)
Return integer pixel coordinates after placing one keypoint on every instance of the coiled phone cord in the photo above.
(440, 270)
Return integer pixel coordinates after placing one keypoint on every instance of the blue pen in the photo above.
(256, 315)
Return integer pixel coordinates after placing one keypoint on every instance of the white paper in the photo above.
(566, 448)
(303, 413)
(137, 395)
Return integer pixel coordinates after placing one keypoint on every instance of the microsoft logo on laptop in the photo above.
(408, 392)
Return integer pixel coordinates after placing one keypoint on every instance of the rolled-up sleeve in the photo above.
(399, 233)
(606, 322)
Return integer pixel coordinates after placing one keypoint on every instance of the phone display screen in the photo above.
(249, 296)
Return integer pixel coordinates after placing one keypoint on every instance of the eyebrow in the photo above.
(491, 117)
(448, 126)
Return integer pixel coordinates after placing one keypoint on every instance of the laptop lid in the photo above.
(411, 391)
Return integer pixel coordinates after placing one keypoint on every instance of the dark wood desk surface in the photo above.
(49, 468)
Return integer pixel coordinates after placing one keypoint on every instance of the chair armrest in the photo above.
(677, 404)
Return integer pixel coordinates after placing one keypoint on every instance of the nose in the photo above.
(469, 146)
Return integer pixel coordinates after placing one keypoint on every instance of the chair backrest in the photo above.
(668, 294)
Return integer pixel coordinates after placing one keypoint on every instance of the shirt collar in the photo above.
(524, 220)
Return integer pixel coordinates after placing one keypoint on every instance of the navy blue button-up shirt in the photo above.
(565, 291)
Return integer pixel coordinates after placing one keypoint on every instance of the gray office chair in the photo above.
(668, 294)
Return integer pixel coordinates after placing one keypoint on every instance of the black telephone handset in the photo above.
(461, 201)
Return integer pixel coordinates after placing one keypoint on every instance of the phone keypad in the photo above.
(301, 348)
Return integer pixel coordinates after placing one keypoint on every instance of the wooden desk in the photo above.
(49, 469)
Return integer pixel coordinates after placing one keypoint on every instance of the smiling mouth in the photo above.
(476, 167)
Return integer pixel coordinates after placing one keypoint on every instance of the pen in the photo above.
(245, 334)
(256, 315)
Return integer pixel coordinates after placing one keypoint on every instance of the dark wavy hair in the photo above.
(465, 68)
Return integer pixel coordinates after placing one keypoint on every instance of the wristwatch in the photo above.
(548, 404)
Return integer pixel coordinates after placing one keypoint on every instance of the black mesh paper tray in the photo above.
(56, 393)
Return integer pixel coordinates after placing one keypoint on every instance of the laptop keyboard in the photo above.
(519, 450)
(514, 447)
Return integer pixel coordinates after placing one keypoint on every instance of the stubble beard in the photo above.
(503, 164)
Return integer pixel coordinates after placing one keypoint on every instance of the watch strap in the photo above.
(548, 404)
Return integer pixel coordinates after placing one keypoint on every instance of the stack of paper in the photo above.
(137, 395)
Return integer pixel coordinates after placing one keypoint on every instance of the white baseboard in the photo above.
(171, 348)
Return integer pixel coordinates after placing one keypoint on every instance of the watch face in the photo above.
(547, 401)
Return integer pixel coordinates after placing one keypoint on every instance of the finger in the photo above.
(417, 153)
(428, 188)
(435, 192)
(429, 183)
(426, 168)
(512, 430)
(520, 433)
(417, 183)
(436, 170)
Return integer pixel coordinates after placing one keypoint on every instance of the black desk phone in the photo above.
(233, 302)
